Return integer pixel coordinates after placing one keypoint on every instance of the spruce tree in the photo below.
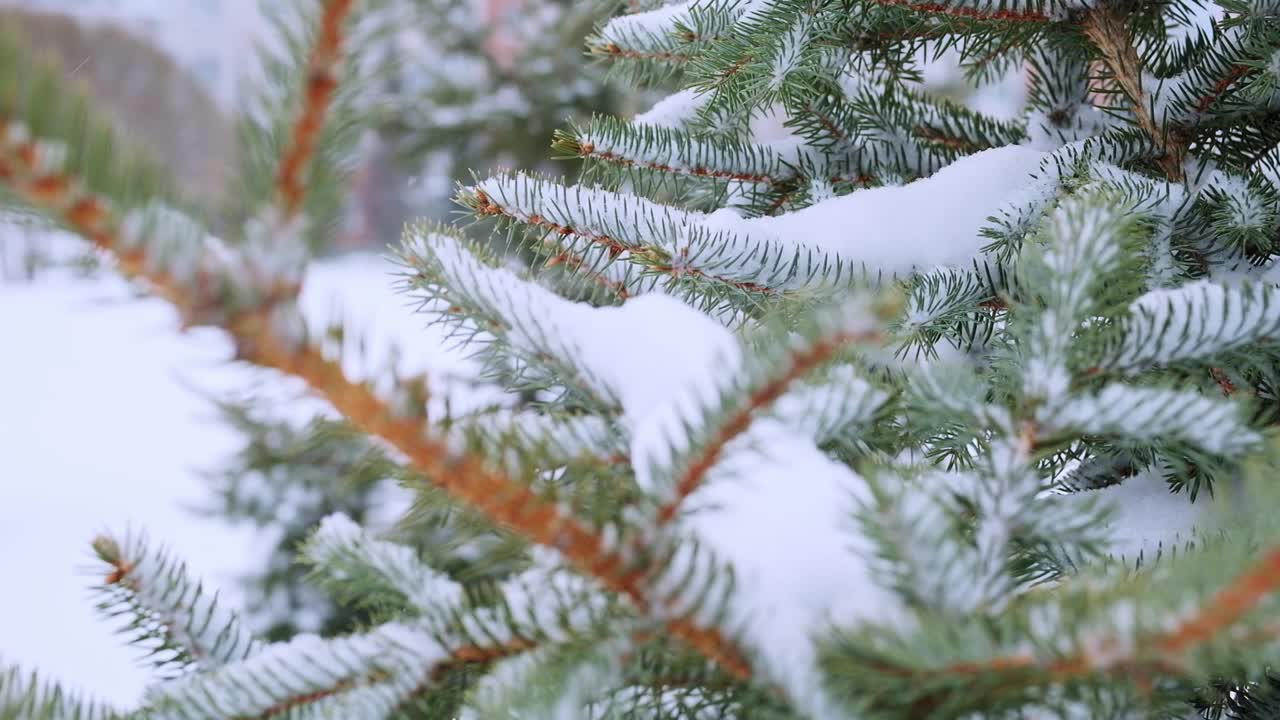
(840, 399)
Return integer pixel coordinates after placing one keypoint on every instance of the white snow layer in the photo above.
(774, 508)
(781, 513)
(674, 110)
(650, 29)
(926, 223)
(106, 425)
(1187, 23)
(1147, 518)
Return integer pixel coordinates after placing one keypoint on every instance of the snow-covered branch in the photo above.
(1194, 321)
(275, 338)
(173, 616)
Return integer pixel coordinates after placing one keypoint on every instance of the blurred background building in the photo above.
(213, 40)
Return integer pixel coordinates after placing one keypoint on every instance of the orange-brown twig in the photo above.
(91, 216)
(971, 13)
(1224, 382)
(1106, 28)
(1227, 607)
(467, 478)
(827, 123)
(1161, 652)
(1204, 102)
(461, 656)
(938, 137)
(198, 301)
(321, 84)
(293, 703)
(801, 363)
(477, 485)
(580, 266)
(614, 50)
(479, 655)
(109, 551)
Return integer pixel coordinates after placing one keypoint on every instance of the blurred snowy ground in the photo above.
(105, 424)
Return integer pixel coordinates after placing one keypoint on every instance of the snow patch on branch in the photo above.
(649, 30)
(774, 508)
(790, 50)
(341, 541)
(623, 352)
(780, 514)
(675, 110)
(1147, 517)
(1194, 321)
(1150, 414)
(937, 221)
(304, 667)
(897, 230)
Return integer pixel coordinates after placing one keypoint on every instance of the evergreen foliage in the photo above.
(839, 399)
(286, 478)
(481, 84)
(24, 696)
(444, 87)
